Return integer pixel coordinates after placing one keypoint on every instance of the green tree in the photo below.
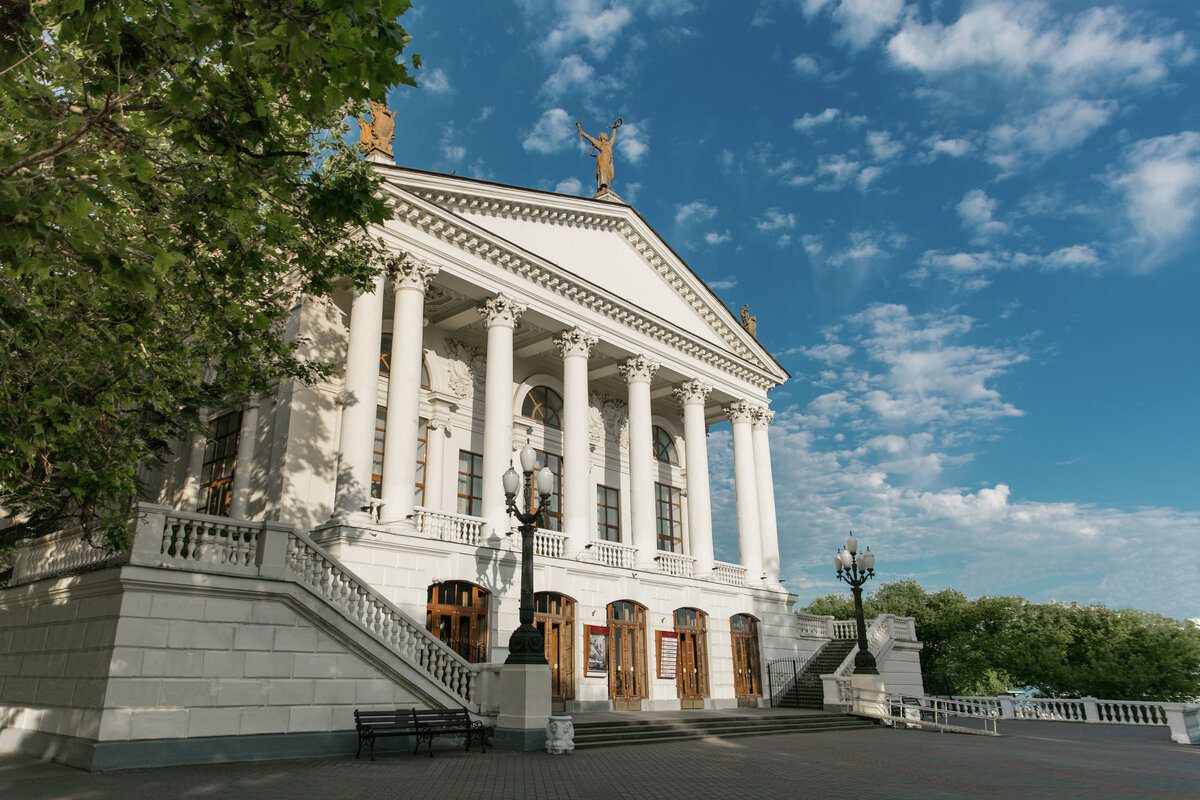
(172, 177)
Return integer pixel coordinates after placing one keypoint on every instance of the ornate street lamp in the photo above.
(525, 646)
(856, 570)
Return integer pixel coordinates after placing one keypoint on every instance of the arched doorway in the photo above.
(457, 613)
(747, 681)
(626, 655)
(554, 616)
(691, 672)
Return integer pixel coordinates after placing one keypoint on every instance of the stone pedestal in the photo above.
(560, 734)
(871, 701)
(524, 707)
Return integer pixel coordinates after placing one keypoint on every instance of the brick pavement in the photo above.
(1033, 760)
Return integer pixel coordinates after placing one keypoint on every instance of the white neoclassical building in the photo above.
(346, 544)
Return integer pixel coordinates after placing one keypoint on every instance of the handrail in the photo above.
(782, 667)
(917, 711)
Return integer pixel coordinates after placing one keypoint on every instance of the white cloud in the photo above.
(968, 271)
(595, 24)
(454, 153)
(976, 210)
(695, 211)
(569, 186)
(808, 122)
(572, 73)
(806, 66)
(867, 177)
(1077, 256)
(955, 148)
(1160, 179)
(435, 81)
(1053, 129)
(722, 284)
(632, 142)
(863, 21)
(883, 146)
(552, 133)
(714, 238)
(1013, 39)
(775, 220)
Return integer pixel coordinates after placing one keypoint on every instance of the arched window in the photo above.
(545, 405)
(664, 446)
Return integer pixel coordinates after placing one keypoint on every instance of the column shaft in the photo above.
(749, 538)
(699, 504)
(247, 439)
(579, 500)
(638, 372)
(435, 462)
(500, 315)
(409, 279)
(766, 495)
(356, 443)
(190, 499)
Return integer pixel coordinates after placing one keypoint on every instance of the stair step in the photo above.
(638, 735)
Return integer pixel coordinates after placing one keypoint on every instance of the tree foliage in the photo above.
(172, 177)
(992, 644)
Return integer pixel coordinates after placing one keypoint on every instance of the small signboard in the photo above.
(668, 653)
(597, 651)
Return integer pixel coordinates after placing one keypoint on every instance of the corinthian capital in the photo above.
(575, 342)
(500, 310)
(694, 391)
(406, 272)
(762, 417)
(741, 411)
(638, 369)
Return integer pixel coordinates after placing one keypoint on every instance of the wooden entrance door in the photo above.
(626, 655)
(554, 615)
(457, 613)
(691, 676)
(747, 681)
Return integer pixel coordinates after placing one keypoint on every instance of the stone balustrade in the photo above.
(845, 629)
(676, 564)
(449, 527)
(613, 554)
(732, 574)
(548, 543)
(61, 553)
(814, 626)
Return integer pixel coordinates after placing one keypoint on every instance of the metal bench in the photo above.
(423, 724)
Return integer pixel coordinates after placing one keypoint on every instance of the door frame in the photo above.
(637, 636)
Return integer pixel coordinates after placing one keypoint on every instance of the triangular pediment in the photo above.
(604, 245)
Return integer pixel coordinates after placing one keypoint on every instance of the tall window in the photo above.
(608, 514)
(377, 456)
(664, 446)
(552, 518)
(545, 405)
(220, 458)
(668, 505)
(470, 483)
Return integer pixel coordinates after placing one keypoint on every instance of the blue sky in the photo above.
(967, 229)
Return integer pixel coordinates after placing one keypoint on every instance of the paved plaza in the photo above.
(1031, 759)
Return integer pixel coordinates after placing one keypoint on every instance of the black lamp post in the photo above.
(525, 646)
(856, 570)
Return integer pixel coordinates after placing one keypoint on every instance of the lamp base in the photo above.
(524, 707)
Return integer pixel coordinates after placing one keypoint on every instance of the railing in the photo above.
(784, 673)
(548, 543)
(918, 712)
(449, 527)
(308, 564)
(845, 629)
(59, 554)
(676, 564)
(733, 574)
(1183, 719)
(878, 633)
(216, 544)
(613, 554)
(814, 626)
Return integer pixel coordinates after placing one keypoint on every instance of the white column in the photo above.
(765, 482)
(749, 538)
(692, 396)
(356, 444)
(435, 460)
(247, 439)
(190, 500)
(638, 372)
(500, 315)
(579, 496)
(409, 279)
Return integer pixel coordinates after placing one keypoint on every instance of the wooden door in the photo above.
(554, 615)
(747, 683)
(691, 677)
(457, 613)
(626, 655)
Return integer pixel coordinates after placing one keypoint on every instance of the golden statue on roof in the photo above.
(602, 151)
(378, 132)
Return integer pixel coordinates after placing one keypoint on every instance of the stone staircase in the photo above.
(652, 730)
(808, 691)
